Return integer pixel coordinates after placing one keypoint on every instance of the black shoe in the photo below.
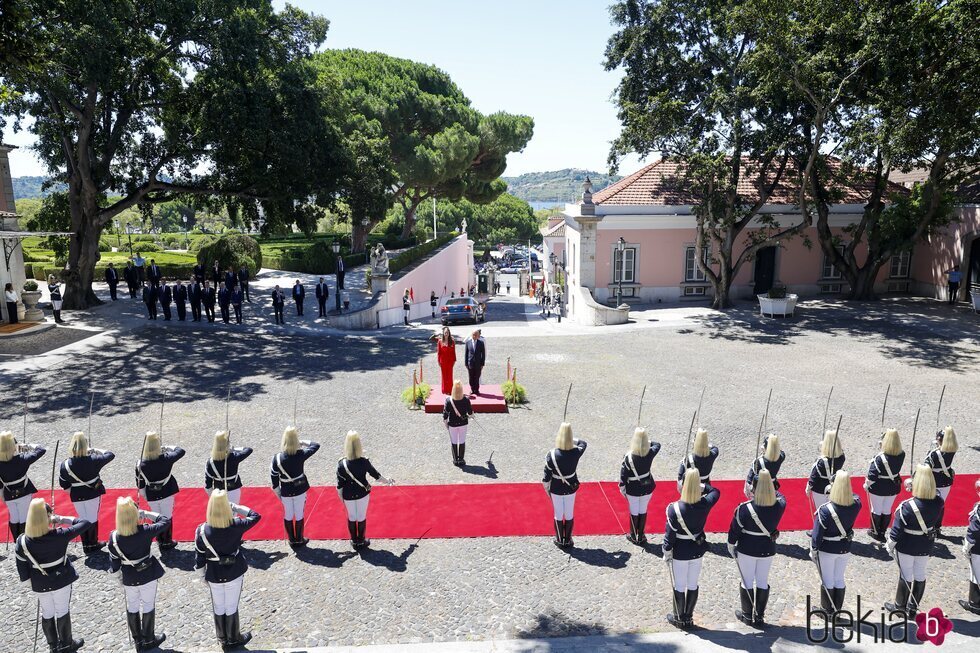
(68, 644)
(901, 598)
(135, 629)
(761, 600)
(676, 618)
(50, 634)
(150, 639)
(236, 638)
(973, 604)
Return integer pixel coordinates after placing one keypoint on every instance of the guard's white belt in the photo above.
(20, 481)
(290, 479)
(638, 478)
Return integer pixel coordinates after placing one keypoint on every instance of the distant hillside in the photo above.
(29, 188)
(558, 185)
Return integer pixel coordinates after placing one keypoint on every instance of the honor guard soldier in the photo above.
(218, 545)
(940, 459)
(561, 481)
(290, 484)
(15, 460)
(752, 542)
(911, 539)
(636, 482)
(221, 470)
(772, 459)
(830, 542)
(971, 549)
(156, 483)
(80, 475)
(883, 483)
(354, 489)
(456, 414)
(702, 458)
(685, 543)
(42, 559)
(129, 553)
(831, 459)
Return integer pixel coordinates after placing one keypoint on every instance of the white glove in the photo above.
(622, 490)
(907, 484)
(731, 550)
(890, 545)
(239, 510)
(813, 555)
(668, 555)
(966, 548)
(277, 492)
(867, 485)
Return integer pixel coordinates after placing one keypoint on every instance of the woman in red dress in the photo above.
(446, 349)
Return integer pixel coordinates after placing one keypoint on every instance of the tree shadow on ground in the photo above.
(919, 331)
(149, 365)
(556, 624)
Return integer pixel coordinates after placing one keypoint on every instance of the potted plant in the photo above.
(777, 302)
(31, 296)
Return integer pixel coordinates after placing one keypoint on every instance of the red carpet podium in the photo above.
(491, 400)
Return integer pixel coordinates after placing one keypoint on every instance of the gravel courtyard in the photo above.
(438, 590)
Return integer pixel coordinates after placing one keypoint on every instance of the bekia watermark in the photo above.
(844, 626)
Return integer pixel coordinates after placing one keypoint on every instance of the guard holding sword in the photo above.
(290, 484)
(15, 461)
(883, 483)
(830, 542)
(636, 482)
(701, 458)
(80, 475)
(156, 483)
(940, 459)
(354, 489)
(221, 470)
(561, 481)
(455, 414)
(831, 459)
(971, 549)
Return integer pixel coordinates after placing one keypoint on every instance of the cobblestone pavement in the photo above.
(494, 588)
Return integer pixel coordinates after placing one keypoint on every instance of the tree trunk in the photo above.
(83, 254)
(863, 283)
(359, 236)
(409, 225)
(722, 291)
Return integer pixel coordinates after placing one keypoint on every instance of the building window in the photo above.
(830, 270)
(900, 265)
(692, 273)
(628, 261)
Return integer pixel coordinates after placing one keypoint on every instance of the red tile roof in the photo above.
(662, 183)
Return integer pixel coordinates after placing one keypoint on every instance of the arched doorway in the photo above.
(973, 265)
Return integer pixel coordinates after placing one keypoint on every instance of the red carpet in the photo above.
(491, 400)
(490, 510)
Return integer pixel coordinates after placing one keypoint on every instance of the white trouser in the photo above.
(54, 604)
(832, 567)
(163, 507)
(141, 598)
(638, 505)
(754, 571)
(457, 434)
(357, 508)
(88, 509)
(293, 507)
(882, 505)
(974, 568)
(686, 573)
(233, 495)
(18, 509)
(944, 491)
(913, 567)
(564, 506)
(224, 596)
(819, 498)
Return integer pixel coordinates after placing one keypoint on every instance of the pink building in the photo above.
(652, 212)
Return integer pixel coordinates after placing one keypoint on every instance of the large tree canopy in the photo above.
(154, 100)
(437, 144)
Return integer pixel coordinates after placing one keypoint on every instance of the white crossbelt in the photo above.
(343, 462)
(942, 464)
(884, 461)
(41, 567)
(687, 534)
(840, 527)
(283, 476)
(80, 483)
(564, 479)
(635, 476)
(214, 476)
(139, 470)
(918, 516)
(762, 532)
(20, 481)
(122, 556)
(216, 557)
(691, 465)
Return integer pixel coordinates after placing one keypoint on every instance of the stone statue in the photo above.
(379, 259)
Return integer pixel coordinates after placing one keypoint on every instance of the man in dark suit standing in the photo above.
(154, 274)
(476, 358)
(180, 299)
(150, 299)
(231, 279)
(236, 303)
(299, 293)
(216, 275)
(166, 298)
(278, 303)
(132, 278)
(322, 294)
(224, 301)
(340, 272)
(208, 297)
(195, 294)
(199, 273)
(243, 281)
(112, 278)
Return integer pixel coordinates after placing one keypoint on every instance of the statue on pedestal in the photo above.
(379, 259)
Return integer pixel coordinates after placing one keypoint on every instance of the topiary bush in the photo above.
(145, 247)
(233, 250)
(198, 243)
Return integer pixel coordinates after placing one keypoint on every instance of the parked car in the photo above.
(463, 309)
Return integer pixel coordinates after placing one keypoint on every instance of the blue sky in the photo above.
(542, 58)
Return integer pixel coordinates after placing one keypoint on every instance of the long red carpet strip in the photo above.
(489, 509)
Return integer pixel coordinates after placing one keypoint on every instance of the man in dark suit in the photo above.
(112, 278)
(150, 299)
(166, 298)
(199, 273)
(340, 272)
(196, 294)
(278, 303)
(208, 297)
(236, 303)
(154, 274)
(231, 279)
(299, 293)
(322, 294)
(476, 358)
(216, 275)
(243, 281)
(180, 299)
(224, 302)
(132, 279)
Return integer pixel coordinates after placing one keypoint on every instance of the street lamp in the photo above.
(129, 235)
(118, 240)
(622, 269)
(335, 246)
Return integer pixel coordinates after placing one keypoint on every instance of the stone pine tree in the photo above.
(438, 145)
(908, 78)
(154, 100)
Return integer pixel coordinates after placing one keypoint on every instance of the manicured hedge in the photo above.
(232, 250)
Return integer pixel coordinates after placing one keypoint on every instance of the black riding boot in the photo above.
(641, 534)
(219, 629)
(352, 529)
(827, 602)
(361, 530)
(676, 618)
(166, 539)
(455, 449)
(135, 629)
(150, 639)
(90, 543)
(50, 634)
(877, 531)
(631, 537)
(761, 601)
(559, 533)
(287, 525)
(901, 597)
(918, 589)
(298, 530)
(462, 454)
(236, 638)
(68, 644)
(973, 604)
(569, 523)
(745, 599)
(692, 600)
(839, 593)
